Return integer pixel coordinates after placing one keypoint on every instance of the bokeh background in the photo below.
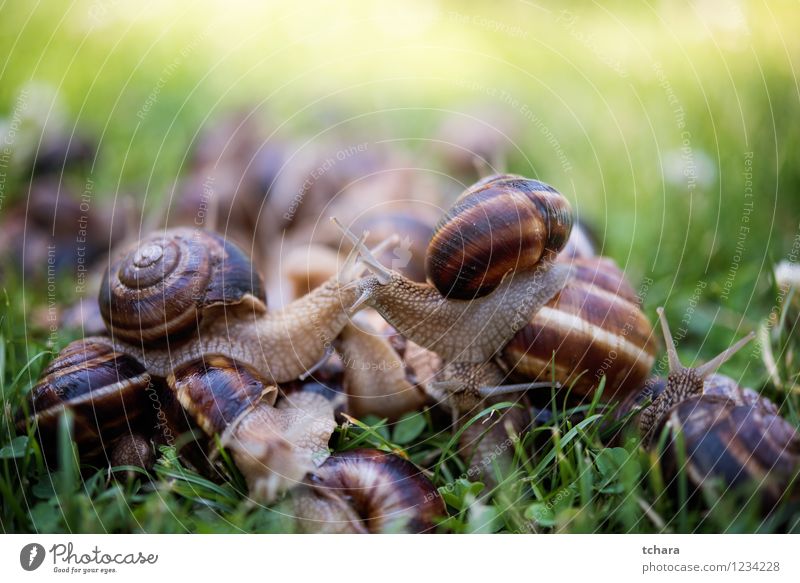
(672, 127)
(643, 114)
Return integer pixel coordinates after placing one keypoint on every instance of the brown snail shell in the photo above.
(160, 287)
(273, 446)
(105, 391)
(735, 443)
(217, 389)
(592, 326)
(368, 491)
(502, 223)
(731, 434)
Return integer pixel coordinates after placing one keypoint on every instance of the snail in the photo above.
(730, 433)
(384, 373)
(273, 445)
(592, 328)
(367, 491)
(682, 382)
(186, 306)
(107, 393)
(183, 293)
(490, 266)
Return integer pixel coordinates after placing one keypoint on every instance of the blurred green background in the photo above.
(643, 114)
(671, 126)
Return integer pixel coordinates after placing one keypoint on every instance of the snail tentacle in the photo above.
(682, 383)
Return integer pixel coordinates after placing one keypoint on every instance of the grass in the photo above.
(564, 478)
(676, 235)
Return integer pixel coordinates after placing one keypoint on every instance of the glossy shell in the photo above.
(367, 490)
(734, 444)
(106, 392)
(501, 223)
(216, 390)
(160, 287)
(592, 328)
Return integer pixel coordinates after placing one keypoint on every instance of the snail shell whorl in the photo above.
(106, 392)
(369, 490)
(734, 442)
(593, 326)
(501, 223)
(217, 389)
(160, 287)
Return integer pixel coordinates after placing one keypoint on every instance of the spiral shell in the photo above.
(106, 392)
(592, 328)
(733, 442)
(502, 223)
(367, 490)
(217, 389)
(160, 287)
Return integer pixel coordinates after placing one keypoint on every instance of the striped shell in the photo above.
(736, 443)
(366, 490)
(160, 287)
(592, 328)
(500, 224)
(106, 392)
(217, 389)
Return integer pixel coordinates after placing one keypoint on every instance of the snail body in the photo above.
(490, 266)
(186, 306)
(384, 374)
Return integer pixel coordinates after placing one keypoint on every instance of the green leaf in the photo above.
(408, 428)
(610, 463)
(610, 460)
(460, 493)
(16, 448)
(541, 513)
(484, 518)
(46, 517)
(44, 489)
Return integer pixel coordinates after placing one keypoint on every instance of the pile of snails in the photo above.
(510, 302)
